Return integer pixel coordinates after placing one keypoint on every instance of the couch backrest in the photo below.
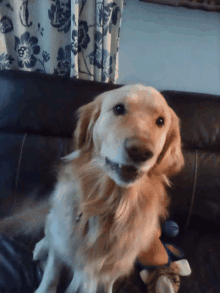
(36, 126)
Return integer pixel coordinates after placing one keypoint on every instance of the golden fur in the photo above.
(118, 218)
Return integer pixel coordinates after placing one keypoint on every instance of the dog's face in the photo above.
(132, 130)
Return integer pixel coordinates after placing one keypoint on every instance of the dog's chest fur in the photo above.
(100, 234)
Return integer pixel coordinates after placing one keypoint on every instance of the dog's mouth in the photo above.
(127, 173)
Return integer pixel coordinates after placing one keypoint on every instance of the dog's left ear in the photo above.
(171, 159)
(87, 115)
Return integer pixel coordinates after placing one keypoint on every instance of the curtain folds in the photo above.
(76, 38)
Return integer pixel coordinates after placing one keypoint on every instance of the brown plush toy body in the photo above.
(160, 274)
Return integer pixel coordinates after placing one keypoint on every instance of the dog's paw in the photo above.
(40, 250)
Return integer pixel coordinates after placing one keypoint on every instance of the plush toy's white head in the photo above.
(164, 283)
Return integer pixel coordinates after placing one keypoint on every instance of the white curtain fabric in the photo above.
(76, 38)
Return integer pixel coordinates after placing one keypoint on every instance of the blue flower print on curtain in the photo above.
(59, 15)
(24, 14)
(26, 48)
(95, 60)
(80, 38)
(64, 61)
(6, 4)
(76, 38)
(5, 61)
(106, 65)
(105, 14)
(46, 58)
(6, 25)
(101, 58)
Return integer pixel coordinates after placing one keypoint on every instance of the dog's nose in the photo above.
(137, 151)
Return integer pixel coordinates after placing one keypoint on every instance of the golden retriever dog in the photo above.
(110, 196)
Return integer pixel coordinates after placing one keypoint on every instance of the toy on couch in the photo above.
(162, 265)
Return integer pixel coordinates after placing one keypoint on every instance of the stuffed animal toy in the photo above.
(162, 265)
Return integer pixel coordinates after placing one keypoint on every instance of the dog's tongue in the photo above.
(127, 172)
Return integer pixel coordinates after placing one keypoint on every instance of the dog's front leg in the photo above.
(40, 250)
(110, 287)
(51, 274)
(82, 282)
(76, 283)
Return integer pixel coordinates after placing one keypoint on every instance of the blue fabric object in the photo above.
(171, 257)
(170, 228)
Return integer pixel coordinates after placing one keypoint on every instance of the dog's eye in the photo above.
(119, 109)
(160, 121)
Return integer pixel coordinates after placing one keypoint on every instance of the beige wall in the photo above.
(170, 48)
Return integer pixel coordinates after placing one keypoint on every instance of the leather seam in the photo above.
(19, 161)
(194, 188)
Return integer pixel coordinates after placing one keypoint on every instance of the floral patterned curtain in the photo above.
(76, 38)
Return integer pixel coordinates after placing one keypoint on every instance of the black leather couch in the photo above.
(36, 126)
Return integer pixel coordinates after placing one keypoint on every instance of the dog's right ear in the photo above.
(87, 116)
